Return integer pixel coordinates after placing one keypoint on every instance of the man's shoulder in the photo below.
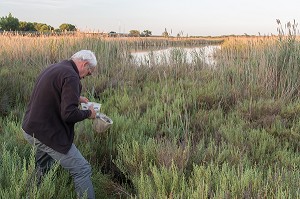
(64, 67)
(62, 64)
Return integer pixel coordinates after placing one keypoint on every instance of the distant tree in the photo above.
(134, 33)
(9, 23)
(67, 27)
(26, 26)
(180, 34)
(165, 33)
(42, 27)
(146, 33)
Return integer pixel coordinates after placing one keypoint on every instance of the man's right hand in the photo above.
(93, 114)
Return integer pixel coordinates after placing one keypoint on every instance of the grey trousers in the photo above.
(73, 161)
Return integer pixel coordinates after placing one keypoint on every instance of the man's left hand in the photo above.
(83, 99)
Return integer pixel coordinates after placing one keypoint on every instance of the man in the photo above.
(52, 113)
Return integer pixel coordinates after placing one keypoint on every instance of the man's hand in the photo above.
(83, 99)
(93, 115)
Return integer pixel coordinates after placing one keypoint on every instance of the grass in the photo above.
(181, 130)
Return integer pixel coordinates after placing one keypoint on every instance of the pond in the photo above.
(172, 55)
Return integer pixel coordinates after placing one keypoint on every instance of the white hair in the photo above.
(85, 55)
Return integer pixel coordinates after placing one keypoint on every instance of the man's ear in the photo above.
(86, 64)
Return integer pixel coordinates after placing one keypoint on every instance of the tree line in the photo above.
(11, 23)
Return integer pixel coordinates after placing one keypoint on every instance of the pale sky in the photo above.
(192, 17)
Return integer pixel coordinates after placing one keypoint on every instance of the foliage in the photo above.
(26, 26)
(134, 33)
(146, 33)
(9, 23)
(67, 27)
(165, 33)
(42, 27)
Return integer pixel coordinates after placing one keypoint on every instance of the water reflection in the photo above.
(171, 55)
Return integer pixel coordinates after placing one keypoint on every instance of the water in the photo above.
(176, 54)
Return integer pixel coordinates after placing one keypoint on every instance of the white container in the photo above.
(85, 106)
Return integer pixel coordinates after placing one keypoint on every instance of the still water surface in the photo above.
(183, 54)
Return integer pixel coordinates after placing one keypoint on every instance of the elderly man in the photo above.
(52, 113)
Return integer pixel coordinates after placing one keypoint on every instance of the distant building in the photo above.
(112, 34)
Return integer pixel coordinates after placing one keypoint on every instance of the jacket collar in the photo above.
(74, 67)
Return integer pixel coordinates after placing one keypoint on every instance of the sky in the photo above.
(185, 17)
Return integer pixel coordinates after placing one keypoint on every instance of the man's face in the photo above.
(86, 69)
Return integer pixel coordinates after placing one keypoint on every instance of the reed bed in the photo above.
(181, 130)
(271, 64)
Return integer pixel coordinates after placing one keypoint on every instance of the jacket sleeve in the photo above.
(70, 93)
